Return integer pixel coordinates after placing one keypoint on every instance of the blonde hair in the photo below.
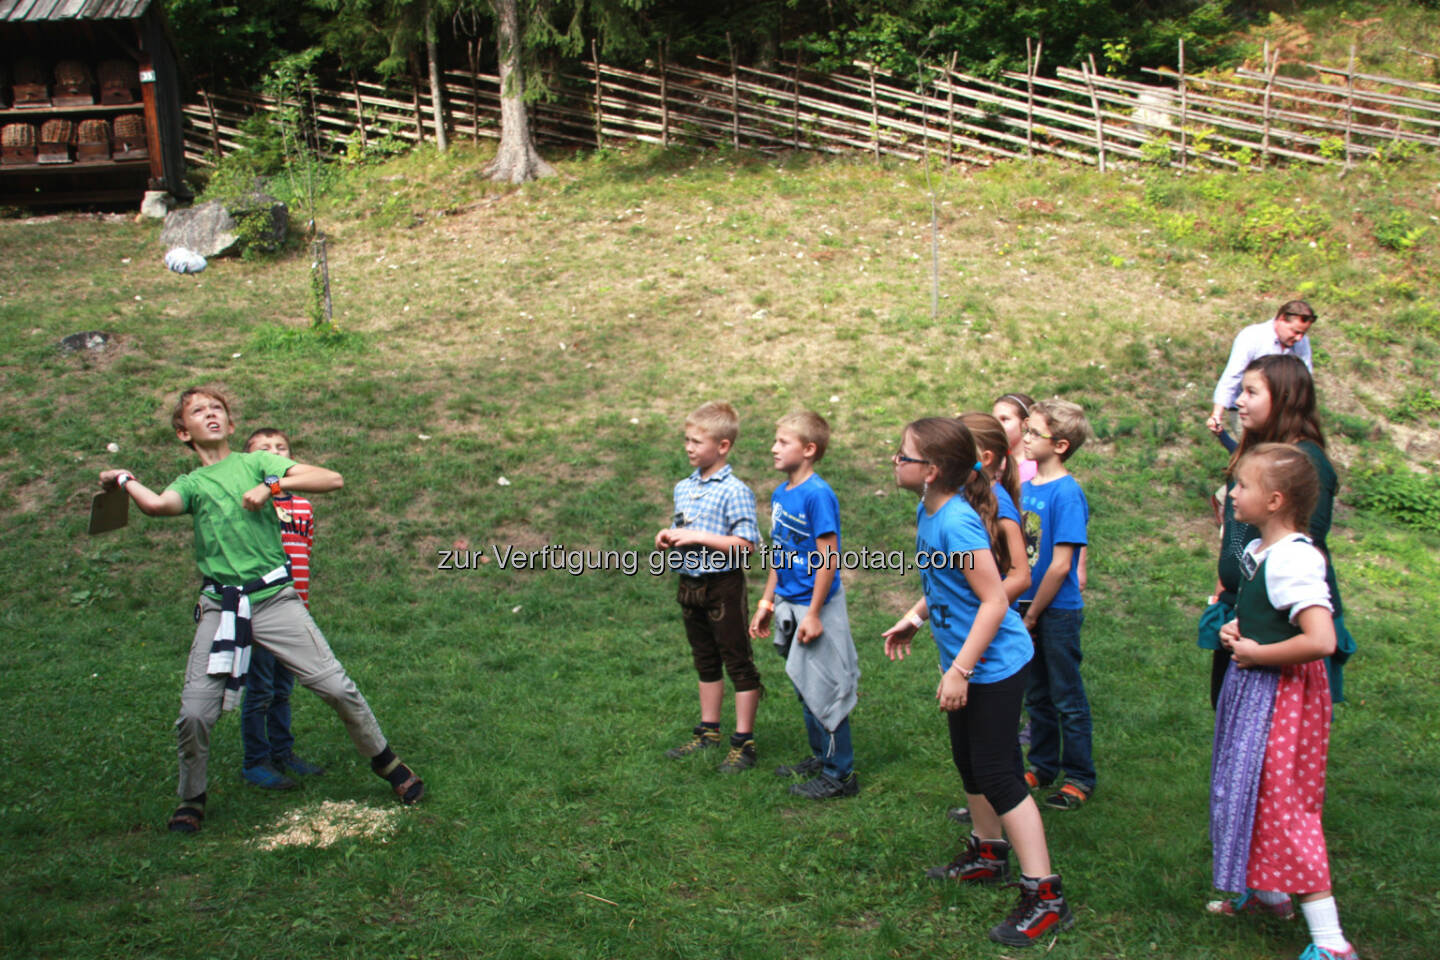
(177, 415)
(809, 427)
(717, 418)
(1066, 421)
(1284, 469)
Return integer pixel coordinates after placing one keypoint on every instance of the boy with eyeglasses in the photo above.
(1055, 514)
(1285, 334)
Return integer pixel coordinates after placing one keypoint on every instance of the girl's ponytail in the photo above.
(981, 495)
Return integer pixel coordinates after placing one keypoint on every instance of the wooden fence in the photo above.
(1246, 119)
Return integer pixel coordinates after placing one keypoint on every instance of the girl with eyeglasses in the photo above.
(985, 652)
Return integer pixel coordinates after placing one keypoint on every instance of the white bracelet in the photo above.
(123, 479)
(910, 615)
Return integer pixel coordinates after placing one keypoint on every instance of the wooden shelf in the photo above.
(92, 165)
(38, 110)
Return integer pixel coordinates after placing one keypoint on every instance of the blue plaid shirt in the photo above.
(720, 504)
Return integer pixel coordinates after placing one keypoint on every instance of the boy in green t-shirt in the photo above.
(247, 594)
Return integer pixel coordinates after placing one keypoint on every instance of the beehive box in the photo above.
(56, 135)
(30, 88)
(130, 142)
(92, 140)
(119, 79)
(17, 143)
(73, 85)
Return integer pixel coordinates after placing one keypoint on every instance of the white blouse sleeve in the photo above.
(1295, 578)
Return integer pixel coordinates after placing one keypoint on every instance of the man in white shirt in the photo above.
(1284, 334)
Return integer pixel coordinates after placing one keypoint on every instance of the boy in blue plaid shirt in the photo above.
(714, 526)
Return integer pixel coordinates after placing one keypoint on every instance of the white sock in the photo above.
(1272, 898)
(1323, 919)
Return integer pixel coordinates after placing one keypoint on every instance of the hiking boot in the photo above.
(1041, 909)
(701, 738)
(1248, 902)
(959, 814)
(826, 787)
(1069, 797)
(982, 861)
(741, 756)
(266, 777)
(297, 766)
(805, 768)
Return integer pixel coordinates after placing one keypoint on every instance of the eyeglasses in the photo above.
(1031, 432)
(901, 458)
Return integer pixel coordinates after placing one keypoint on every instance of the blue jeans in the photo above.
(265, 714)
(836, 755)
(1057, 704)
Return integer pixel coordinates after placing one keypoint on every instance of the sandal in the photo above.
(186, 819)
(410, 790)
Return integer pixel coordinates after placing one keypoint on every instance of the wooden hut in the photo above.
(101, 74)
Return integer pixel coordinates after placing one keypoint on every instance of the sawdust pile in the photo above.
(323, 825)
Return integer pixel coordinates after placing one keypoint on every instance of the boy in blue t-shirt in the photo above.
(1056, 514)
(804, 595)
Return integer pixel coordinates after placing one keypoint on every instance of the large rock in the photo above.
(212, 228)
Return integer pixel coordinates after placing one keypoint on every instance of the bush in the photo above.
(1411, 498)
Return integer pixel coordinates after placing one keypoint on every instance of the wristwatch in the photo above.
(273, 482)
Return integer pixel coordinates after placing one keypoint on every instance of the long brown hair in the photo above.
(1292, 406)
(949, 445)
(990, 435)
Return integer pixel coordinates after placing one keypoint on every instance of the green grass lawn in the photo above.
(555, 335)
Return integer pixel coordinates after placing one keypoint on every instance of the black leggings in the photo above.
(984, 742)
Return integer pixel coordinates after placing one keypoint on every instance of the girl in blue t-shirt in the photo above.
(984, 652)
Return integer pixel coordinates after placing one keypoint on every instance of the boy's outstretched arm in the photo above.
(152, 504)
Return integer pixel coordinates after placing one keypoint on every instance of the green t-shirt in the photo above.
(233, 546)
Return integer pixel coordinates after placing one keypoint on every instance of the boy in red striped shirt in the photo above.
(265, 714)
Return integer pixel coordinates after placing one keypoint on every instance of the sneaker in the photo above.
(1316, 952)
(982, 861)
(1070, 797)
(741, 757)
(297, 766)
(1041, 909)
(959, 814)
(1033, 781)
(266, 777)
(805, 768)
(1248, 902)
(702, 738)
(826, 787)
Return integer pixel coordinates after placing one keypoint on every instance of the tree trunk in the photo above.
(517, 160)
(437, 92)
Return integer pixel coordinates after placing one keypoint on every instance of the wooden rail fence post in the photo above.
(795, 112)
(950, 110)
(599, 108)
(1270, 69)
(1349, 105)
(1184, 111)
(734, 95)
(359, 109)
(214, 124)
(1088, 70)
(874, 115)
(1032, 60)
(664, 101)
